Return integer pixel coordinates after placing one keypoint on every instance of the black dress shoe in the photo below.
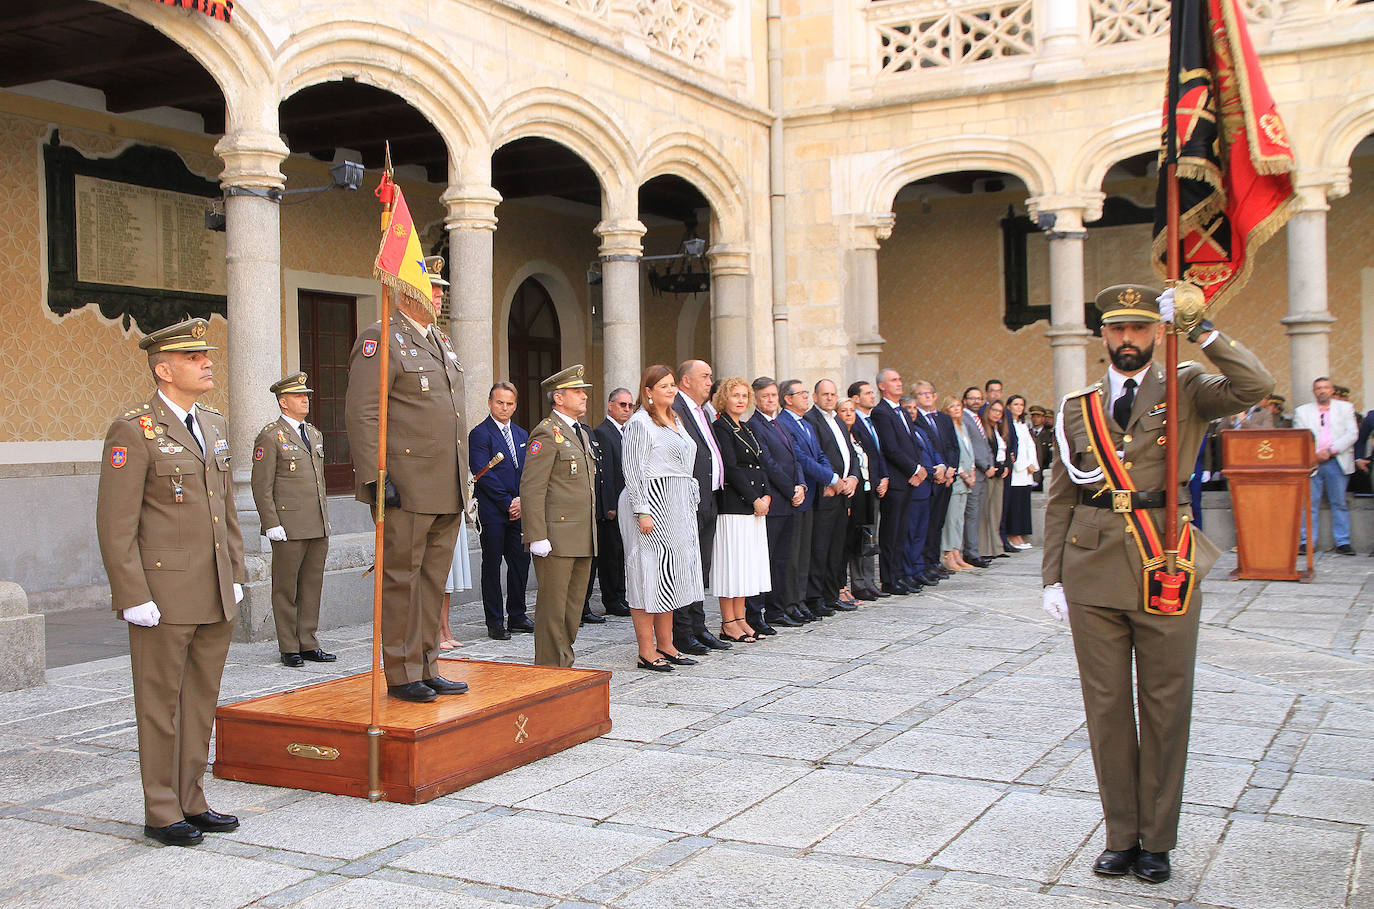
(690, 645)
(1302, 549)
(441, 685)
(498, 634)
(521, 625)
(418, 692)
(804, 615)
(976, 561)
(1345, 549)
(820, 609)
(842, 606)
(318, 656)
(941, 572)
(865, 593)
(786, 621)
(930, 579)
(1151, 867)
(879, 593)
(178, 834)
(209, 821)
(293, 660)
(592, 618)
(897, 589)
(619, 609)
(711, 642)
(1115, 863)
(762, 627)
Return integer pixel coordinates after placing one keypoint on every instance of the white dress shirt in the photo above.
(181, 418)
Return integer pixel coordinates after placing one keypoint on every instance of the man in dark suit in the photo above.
(610, 482)
(787, 487)
(822, 482)
(938, 430)
(832, 516)
(908, 488)
(694, 385)
(982, 472)
(861, 582)
(498, 508)
(598, 455)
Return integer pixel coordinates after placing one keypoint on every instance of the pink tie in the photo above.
(711, 440)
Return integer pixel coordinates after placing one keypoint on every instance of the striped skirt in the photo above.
(663, 568)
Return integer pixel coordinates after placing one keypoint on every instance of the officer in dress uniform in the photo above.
(1104, 569)
(169, 538)
(558, 508)
(426, 455)
(288, 490)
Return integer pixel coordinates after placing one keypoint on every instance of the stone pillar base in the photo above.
(22, 641)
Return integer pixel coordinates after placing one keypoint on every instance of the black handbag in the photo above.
(868, 540)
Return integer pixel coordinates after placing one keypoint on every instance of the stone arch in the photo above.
(1123, 139)
(572, 322)
(403, 64)
(693, 159)
(878, 188)
(1347, 129)
(591, 132)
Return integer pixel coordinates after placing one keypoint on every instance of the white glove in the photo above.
(1166, 305)
(1054, 604)
(144, 614)
(238, 594)
(541, 548)
(276, 534)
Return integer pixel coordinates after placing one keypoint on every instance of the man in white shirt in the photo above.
(832, 512)
(1332, 423)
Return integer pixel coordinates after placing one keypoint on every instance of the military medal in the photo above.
(558, 436)
(572, 468)
(176, 492)
(424, 383)
(146, 422)
(293, 466)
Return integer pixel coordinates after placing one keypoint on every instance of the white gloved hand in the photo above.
(276, 534)
(145, 614)
(1054, 604)
(1166, 305)
(541, 548)
(238, 594)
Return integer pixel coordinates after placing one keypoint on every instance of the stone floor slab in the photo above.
(1245, 874)
(913, 822)
(971, 756)
(1043, 832)
(777, 737)
(1327, 798)
(363, 893)
(808, 810)
(341, 827)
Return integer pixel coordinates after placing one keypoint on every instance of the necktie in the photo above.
(1121, 410)
(304, 438)
(191, 428)
(868, 425)
(581, 439)
(510, 443)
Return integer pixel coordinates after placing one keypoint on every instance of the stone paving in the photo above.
(926, 751)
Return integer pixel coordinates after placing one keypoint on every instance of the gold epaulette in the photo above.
(142, 408)
(1187, 363)
(209, 409)
(1091, 389)
(268, 426)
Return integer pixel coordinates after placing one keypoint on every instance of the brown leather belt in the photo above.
(1121, 500)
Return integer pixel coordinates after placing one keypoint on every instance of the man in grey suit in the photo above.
(982, 470)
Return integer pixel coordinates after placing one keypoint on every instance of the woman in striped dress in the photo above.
(657, 515)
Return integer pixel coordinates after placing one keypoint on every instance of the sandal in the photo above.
(742, 639)
(847, 597)
(655, 666)
(678, 659)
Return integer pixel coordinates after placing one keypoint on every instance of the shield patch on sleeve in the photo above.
(369, 347)
(257, 453)
(534, 447)
(119, 456)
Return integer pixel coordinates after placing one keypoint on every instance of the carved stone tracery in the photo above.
(687, 29)
(924, 35)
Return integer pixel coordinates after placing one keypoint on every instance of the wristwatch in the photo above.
(1205, 327)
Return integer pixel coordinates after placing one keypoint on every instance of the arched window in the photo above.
(535, 349)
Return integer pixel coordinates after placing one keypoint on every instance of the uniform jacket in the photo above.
(780, 464)
(815, 467)
(288, 480)
(610, 472)
(702, 469)
(184, 556)
(1344, 430)
(498, 486)
(558, 491)
(426, 444)
(1087, 548)
(745, 481)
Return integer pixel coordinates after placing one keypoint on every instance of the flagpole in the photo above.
(1171, 272)
(374, 729)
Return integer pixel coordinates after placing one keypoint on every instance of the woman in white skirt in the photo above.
(739, 558)
(459, 579)
(658, 521)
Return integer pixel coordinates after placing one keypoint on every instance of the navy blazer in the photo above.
(829, 447)
(499, 485)
(610, 471)
(872, 446)
(1366, 430)
(943, 441)
(904, 449)
(814, 465)
(702, 469)
(780, 463)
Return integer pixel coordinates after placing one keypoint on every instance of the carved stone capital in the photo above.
(252, 159)
(470, 207)
(1069, 210)
(868, 231)
(621, 238)
(1316, 187)
(728, 260)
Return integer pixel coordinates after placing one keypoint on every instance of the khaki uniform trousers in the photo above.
(176, 673)
(417, 552)
(297, 579)
(558, 606)
(1139, 773)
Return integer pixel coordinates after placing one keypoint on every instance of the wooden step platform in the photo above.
(316, 737)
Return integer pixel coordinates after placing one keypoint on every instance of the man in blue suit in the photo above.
(831, 523)
(822, 481)
(908, 492)
(498, 508)
(787, 487)
(937, 428)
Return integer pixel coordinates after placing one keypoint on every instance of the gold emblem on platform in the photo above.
(1265, 451)
(521, 735)
(313, 752)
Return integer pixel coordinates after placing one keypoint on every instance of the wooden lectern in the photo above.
(1268, 472)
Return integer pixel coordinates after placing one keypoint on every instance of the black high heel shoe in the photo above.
(678, 659)
(655, 666)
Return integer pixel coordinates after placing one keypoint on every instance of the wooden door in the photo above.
(535, 349)
(328, 327)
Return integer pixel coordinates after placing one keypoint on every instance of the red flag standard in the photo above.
(1234, 160)
(223, 10)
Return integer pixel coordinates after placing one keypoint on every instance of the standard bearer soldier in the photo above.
(558, 512)
(288, 489)
(169, 537)
(1104, 564)
(426, 455)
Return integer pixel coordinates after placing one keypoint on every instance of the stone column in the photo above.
(1061, 218)
(622, 347)
(729, 310)
(252, 181)
(1309, 321)
(1061, 45)
(867, 233)
(471, 224)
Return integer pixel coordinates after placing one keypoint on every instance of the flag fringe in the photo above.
(403, 288)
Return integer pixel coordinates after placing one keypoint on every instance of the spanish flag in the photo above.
(400, 261)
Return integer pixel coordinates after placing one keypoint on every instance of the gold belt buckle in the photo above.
(1121, 501)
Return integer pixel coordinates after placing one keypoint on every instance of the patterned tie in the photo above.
(1121, 410)
(510, 443)
(191, 428)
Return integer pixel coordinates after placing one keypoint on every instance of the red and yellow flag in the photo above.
(223, 10)
(400, 261)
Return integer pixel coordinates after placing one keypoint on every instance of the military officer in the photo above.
(1103, 557)
(426, 453)
(169, 538)
(288, 489)
(558, 508)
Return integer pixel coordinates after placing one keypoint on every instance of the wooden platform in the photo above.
(316, 737)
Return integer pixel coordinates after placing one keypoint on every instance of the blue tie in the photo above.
(868, 424)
